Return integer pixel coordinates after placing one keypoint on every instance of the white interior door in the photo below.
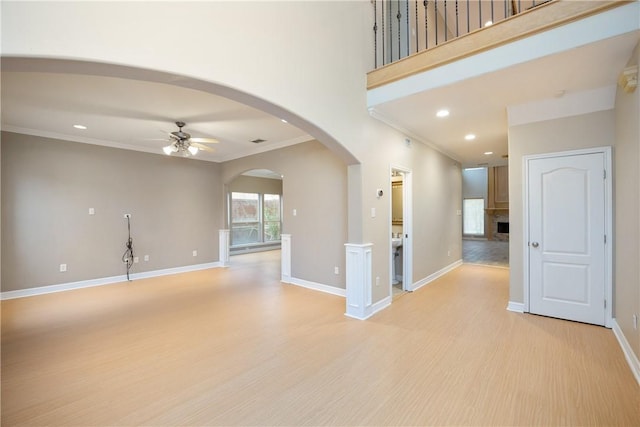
(566, 241)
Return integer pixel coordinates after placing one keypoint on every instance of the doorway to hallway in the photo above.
(485, 252)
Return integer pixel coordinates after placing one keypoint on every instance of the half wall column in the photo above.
(358, 275)
(285, 257)
(223, 249)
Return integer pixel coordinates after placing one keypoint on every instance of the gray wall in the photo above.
(569, 133)
(49, 185)
(627, 211)
(315, 185)
(253, 184)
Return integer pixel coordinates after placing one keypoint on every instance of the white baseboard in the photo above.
(631, 357)
(430, 278)
(41, 290)
(371, 310)
(315, 286)
(516, 307)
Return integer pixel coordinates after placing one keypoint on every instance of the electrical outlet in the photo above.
(136, 259)
(92, 211)
(295, 212)
(448, 253)
(63, 268)
(635, 322)
(377, 280)
(336, 270)
(146, 257)
(373, 212)
(195, 253)
(127, 215)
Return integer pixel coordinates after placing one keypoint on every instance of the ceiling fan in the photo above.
(182, 143)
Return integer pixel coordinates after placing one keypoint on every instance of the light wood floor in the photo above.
(235, 347)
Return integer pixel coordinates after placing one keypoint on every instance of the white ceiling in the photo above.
(135, 114)
(138, 114)
(478, 105)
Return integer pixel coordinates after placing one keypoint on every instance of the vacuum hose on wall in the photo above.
(127, 257)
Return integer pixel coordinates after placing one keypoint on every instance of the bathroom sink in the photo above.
(396, 242)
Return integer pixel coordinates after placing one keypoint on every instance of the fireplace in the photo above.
(499, 225)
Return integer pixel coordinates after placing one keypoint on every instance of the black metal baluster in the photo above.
(416, 28)
(408, 29)
(390, 12)
(457, 32)
(399, 16)
(468, 18)
(383, 40)
(375, 33)
(519, 6)
(435, 5)
(505, 9)
(426, 24)
(446, 32)
(480, 14)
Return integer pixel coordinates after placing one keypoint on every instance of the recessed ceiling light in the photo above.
(442, 113)
(470, 137)
(284, 121)
(488, 153)
(488, 23)
(80, 127)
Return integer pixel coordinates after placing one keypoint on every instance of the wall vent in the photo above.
(258, 141)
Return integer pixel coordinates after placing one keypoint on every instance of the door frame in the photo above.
(608, 215)
(407, 228)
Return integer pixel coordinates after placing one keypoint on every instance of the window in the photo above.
(473, 217)
(255, 218)
(271, 203)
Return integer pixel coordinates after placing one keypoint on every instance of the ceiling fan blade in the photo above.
(204, 140)
(202, 147)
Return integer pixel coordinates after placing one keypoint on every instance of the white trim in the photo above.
(359, 298)
(223, 247)
(372, 309)
(574, 104)
(516, 307)
(608, 286)
(315, 286)
(631, 357)
(217, 159)
(41, 290)
(430, 278)
(407, 227)
(285, 257)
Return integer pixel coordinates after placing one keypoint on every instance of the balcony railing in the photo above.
(404, 27)
(413, 36)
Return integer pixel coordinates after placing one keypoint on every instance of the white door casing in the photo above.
(407, 228)
(567, 219)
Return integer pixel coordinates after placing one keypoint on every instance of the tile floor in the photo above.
(485, 252)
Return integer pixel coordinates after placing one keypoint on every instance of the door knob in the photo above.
(534, 244)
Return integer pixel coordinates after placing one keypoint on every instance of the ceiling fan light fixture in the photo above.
(193, 150)
(168, 149)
